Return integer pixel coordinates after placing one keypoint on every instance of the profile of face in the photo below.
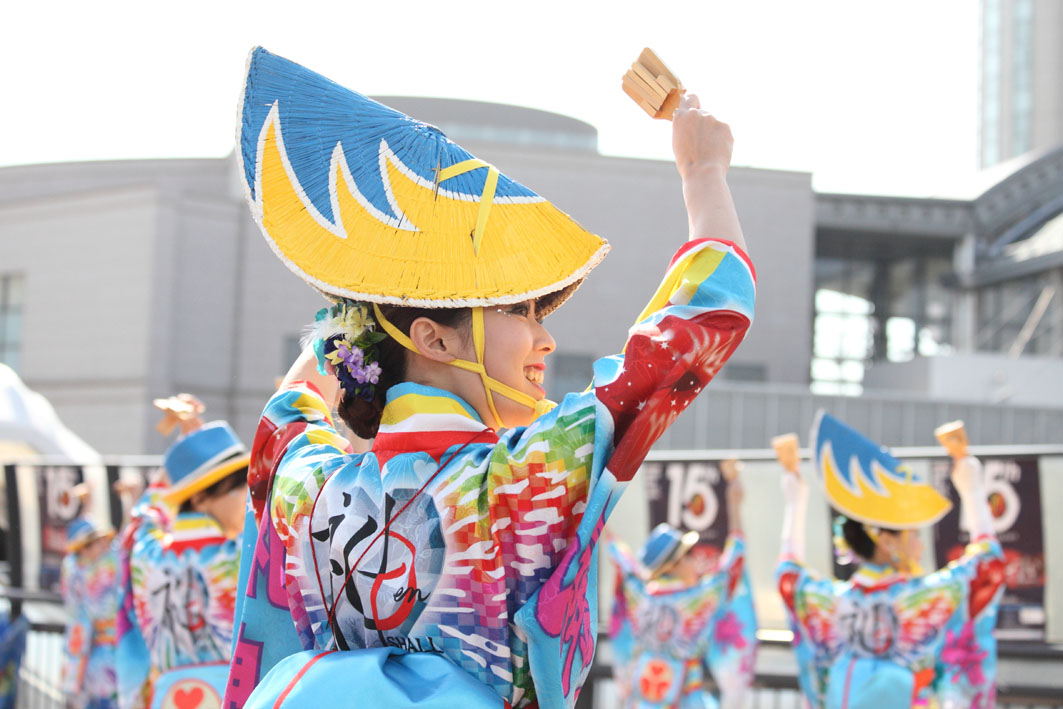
(93, 550)
(686, 570)
(228, 508)
(516, 345)
(906, 545)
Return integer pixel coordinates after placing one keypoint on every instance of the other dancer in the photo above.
(455, 562)
(89, 585)
(670, 620)
(890, 636)
(183, 561)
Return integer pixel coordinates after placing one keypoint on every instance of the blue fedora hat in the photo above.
(81, 532)
(201, 458)
(664, 547)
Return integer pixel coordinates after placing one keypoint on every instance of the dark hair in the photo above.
(222, 487)
(363, 417)
(859, 540)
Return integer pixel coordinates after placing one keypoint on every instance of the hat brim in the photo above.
(687, 542)
(80, 544)
(181, 492)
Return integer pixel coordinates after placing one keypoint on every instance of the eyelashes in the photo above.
(520, 310)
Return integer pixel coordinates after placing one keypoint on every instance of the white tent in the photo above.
(27, 419)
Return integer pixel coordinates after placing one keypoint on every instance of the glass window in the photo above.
(990, 128)
(887, 309)
(11, 301)
(1021, 77)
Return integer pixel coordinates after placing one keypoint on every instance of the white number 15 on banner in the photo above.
(692, 502)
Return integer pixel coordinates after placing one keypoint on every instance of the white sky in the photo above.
(877, 97)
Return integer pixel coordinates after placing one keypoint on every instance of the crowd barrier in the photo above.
(37, 515)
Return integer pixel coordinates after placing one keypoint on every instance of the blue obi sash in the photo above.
(385, 675)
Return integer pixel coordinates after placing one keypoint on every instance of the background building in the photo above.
(1021, 91)
(125, 281)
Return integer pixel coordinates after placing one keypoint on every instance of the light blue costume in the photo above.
(665, 633)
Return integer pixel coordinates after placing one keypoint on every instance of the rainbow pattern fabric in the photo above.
(178, 594)
(664, 634)
(883, 639)
(90, 594)
(448, 539)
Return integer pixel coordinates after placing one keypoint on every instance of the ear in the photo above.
(198, 499)
(438, 343)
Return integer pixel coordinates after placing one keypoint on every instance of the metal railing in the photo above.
(38, 682)
(38, 677)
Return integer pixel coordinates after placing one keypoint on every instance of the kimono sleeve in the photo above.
(810, 603)
(732, 645)
(294, 445)
(78, 637)
(218, 569)
(966, 668)
(621, 635)
(295, 430)
(591, 445)
(131, 654)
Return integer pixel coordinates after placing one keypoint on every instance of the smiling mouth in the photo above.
(533, 375)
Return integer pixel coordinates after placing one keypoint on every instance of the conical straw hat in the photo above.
(366, 203)
(865, 483)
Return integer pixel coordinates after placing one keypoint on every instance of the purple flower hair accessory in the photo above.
(345, 337)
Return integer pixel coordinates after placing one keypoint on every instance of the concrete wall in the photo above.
(86, 308)
(976, 377)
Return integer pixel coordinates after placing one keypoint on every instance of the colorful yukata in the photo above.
(90, 594)
(179, 591)
(664, 633)
(494, 566)
(883, 639)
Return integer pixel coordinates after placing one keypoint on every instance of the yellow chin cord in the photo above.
(491, 385)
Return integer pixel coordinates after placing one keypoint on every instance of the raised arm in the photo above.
(304, 368)
(969, 481)
(702, 147)
(735, 494)
(795, 496)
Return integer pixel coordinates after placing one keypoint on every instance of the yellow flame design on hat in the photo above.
(905, 505)
(427, 256)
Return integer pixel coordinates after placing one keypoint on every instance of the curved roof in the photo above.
(481, 121)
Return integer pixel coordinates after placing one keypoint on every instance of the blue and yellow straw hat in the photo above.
(865, 483)
(83, 531)
(201, 458)
(368, 204)
(665, 546)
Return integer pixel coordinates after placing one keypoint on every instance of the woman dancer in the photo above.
(670, 620)
(89, 588)
(176, 618)
(454, 563)
(889, 637)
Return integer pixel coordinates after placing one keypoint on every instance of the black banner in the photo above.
(57, 509)
(1013, 488)
(690, 495)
